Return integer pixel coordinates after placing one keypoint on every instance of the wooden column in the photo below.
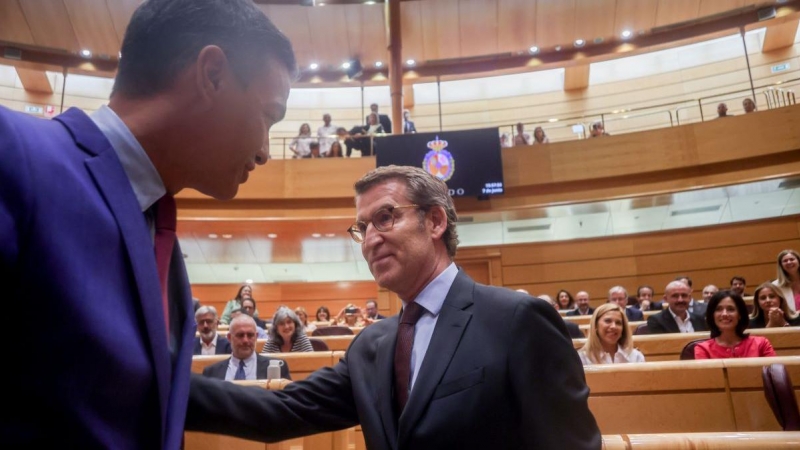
(395, 63)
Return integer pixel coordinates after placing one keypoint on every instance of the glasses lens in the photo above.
(356, 234)
(383, 220)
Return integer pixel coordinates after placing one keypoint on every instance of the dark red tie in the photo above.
(164, 242)
(402, 353)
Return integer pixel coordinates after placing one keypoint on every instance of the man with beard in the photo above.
(209, 342)
(676, 318)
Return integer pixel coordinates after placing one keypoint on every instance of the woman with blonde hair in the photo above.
(610, 341)
(303, 316)
(770, 308)
(788, 280)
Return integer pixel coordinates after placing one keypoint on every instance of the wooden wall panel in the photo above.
(93, 26)
(555, 22)
(779, 36)
(411, 32)
(50, 24)
(440, 38)
(121, 12)
(676, 11)
(13, 26)
(595, 18)
(478, 27)
(711, 7)
(517, 25)
(330, 45)
(635, 15)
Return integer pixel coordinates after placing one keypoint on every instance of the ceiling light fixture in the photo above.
(316, 235)
(86, 53)
(378, 64)
(410, 62)
(534, 50)
(212, 236)
(626, 34)
(313, 66)
(579, 43)
(272, 235)
(346, 65)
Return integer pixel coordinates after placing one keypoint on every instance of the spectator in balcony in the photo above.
(383, 119)
(619, 296)
(335, 150)
(749, 105)
(315, 152)
(726, 317)
(303, 316)
(709, 292)
(539, 137)
(737, 285)
(565, 300)
(522, 138)
(408, 125)
(609, 340)
(326, 134)
(286, 334)
(676, 318)
(771, 309)
(644, 296)
(582, 305)
(788, 280)
(722, 111)
(357, 139)
(598, 130)
(505, 141)
(373, 125)
(301, 145)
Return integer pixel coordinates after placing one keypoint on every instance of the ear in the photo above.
(439, 221)
(211, 72)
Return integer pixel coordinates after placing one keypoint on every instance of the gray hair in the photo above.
(617, 289)
(203, 310)
(423, 189)
(280, 315)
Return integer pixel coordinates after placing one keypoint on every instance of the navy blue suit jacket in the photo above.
(223, 346)
(71, 227)
(634, 315)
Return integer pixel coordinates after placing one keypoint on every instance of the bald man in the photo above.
(676, 318)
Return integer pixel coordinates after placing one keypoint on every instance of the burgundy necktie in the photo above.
(402, 353)
(164, 242)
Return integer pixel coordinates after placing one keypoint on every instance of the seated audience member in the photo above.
(598, 130)
(619, 296)
(408, 125)
(245, 291)
(335, 150)
(722, 111)
(372, 311)
(352, 316)
(539, 137)
(676, 318)
(771, 309)
(314, 148)
(737, 286)
(301, 145)
(244, 363)
(323, 315)
(326, 135)
(505, 141)
(286, 334)
(249, 308)
(610, 341)
(788, 280)
(522, 138)
(565, 301)
(572, 328)
(303, 316)
(694, 306)
(749, 105)
(260, 332)
(726, 317)
(709, 292)
(582, 305)
(645, 302)
(209, 342)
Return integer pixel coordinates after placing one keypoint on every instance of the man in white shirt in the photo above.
(327, 135)
(676, 318)
(244, 363)
(209, 342)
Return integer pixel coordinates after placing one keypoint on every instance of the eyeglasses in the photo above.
(382, 220)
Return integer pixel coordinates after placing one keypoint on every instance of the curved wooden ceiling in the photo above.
(433, 30)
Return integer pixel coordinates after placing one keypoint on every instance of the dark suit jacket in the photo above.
(634, 315)
(664, 323)
(574, 330)
(408, 127)
(700, 309)
(218, 370)
(500, 372)
(71, 226)
(223, 346)
(577, 312)
(385, 122)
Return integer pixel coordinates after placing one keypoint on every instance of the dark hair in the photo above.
(737, 277)
(238, 297)
(639, 291)
(280, 315)
(571, 300)
(741, 308)
(684, 277)
(165, 36)
(338, 152)
(313, 144)
(321, 309)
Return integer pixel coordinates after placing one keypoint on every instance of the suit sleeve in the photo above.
(548, 380)
(15, 197)
(654, 326)
(322, 402)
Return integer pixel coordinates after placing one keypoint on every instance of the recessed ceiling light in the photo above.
(346, 65)
(378, 64)
(86, 53)
(316, 235)
(272, 235)
(369, 3)
(598, 40)
(534, 50)
(410, 62)
(330, 235)
(313, 66)
(227, 236)
(579, 42)
(248, 281)
(212, 236)
(558, 48)
(552, 120)
(626, 34)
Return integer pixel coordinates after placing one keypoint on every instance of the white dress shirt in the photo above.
(211, 347)
(635, 356)
(249, 367)
(327, 136)
(684, 326)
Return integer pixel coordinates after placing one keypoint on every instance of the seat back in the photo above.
(779, 392)
(332, 331)
(641, 329)
(688, 349)
(319, 345)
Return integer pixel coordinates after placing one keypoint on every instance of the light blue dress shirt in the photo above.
(249, 367)
(431, 298)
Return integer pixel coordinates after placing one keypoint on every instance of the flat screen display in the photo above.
(468, 161)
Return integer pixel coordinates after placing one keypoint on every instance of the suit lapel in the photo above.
(262, 363)
(113, 184)
(385, 380)
(450, 326)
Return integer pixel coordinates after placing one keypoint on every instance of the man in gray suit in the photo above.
(244, 363)
(463, 366)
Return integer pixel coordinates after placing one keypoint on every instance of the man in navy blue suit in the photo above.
(209, 342)
(619, 295)
(87, 216)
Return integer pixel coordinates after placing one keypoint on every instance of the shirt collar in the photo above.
(678, 319)
(432, 297)
(143, 176)
(213, 342)
(247, 361)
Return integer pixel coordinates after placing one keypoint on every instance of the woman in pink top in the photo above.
(727, 319)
